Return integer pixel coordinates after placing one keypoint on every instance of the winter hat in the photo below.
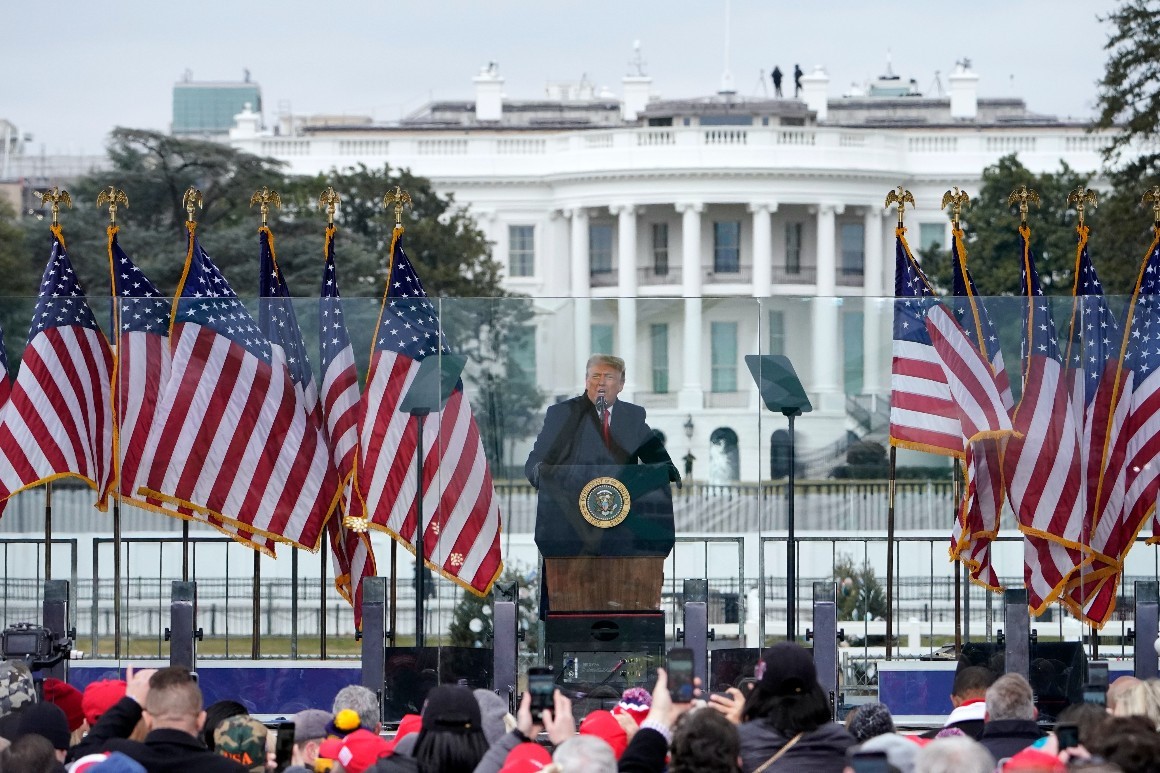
(47, 720)
(901, 752)
(86, 763)
(68, 698)
(605, 727)
(492, 709)
(344, 723)
(100, 696)
(450, 708)
(1035, 760)
(118, 763)
(526, 758)
(635, 702)
(327, 753)
(787, 669)
(16, 687)
(360, 750)
(870, 720)
(242, 738)
(310, 725)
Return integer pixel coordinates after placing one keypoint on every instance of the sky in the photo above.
(77, 69)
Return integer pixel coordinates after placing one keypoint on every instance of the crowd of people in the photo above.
(154, 721)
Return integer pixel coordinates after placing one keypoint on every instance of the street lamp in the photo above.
(688, 425)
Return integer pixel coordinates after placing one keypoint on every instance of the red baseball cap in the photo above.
(603, 725)
(360, 750)
(409, 724)
(526, 758)
(99, 697)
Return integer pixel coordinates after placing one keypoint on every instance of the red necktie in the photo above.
(607, 434)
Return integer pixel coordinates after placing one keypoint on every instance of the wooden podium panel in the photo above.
(598, 584)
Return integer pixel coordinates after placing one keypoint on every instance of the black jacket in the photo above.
(1007, 737)
(174, 751)
(572, 434)
(645, 753)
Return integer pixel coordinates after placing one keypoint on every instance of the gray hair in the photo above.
(585, 754)
(954, 754)
(361, 701)
(1010, 697)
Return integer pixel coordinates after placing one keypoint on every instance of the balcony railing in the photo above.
(850, 277)
(604, 278)
(805, 275)
(651, 276)
(715, 275)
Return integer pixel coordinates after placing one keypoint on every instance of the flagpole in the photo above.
(955, 495)
(890, 556)
(322, 593)
(192, 200)
(256, 603)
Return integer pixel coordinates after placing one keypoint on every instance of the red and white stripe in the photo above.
(972, 384)
(1043, 473)
(232, 439)
(58, 418)
(922, 414)
(461, 514)
(143, 363)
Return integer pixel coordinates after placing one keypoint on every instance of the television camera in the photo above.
(37, 646)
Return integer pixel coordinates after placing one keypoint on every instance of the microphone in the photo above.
(601, 403)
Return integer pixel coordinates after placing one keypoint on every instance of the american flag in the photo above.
(57, 421)
(1094, 366)
(354, 558)
(142, 362)
(233, 439)
(1042, 464)
(982, 504)
(923, 416)
(461, 514)
(1132, 479)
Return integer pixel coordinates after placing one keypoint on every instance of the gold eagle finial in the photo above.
(191, 201)
(1023, 196)
(328, 200)
(901, 197)
(399, 198)
(957, 200)
(54, 199)
(264, 198)
(1081, 197)
(114, 197)
(1153, 195)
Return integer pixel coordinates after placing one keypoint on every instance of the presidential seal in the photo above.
(604, 502)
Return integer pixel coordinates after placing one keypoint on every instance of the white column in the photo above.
(581, 290)
(827, 258)
(626, 305)
(691, 398)
(872, 307)
(872, 241)
(825, 328)
(691, 249)
(581, 278)
(557, 243)
(626, 248)
(762, 247)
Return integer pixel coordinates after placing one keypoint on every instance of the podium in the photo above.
(604, 532)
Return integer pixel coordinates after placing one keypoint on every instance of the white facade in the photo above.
(801, 186)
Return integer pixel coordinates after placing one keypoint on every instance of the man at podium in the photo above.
(596, 428)
(605, 517)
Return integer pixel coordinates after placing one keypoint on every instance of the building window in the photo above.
(853, 357)
(660, 248)
(931, 236)
(853, 248)
(602, 339)
(723, 344)
(600, 248)
(793, 248)
(659, 340)
(727, 247)
(777, 332)
(522, 355)
(521, 250)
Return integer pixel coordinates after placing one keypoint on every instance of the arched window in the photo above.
(724, 462)
(779, 454)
